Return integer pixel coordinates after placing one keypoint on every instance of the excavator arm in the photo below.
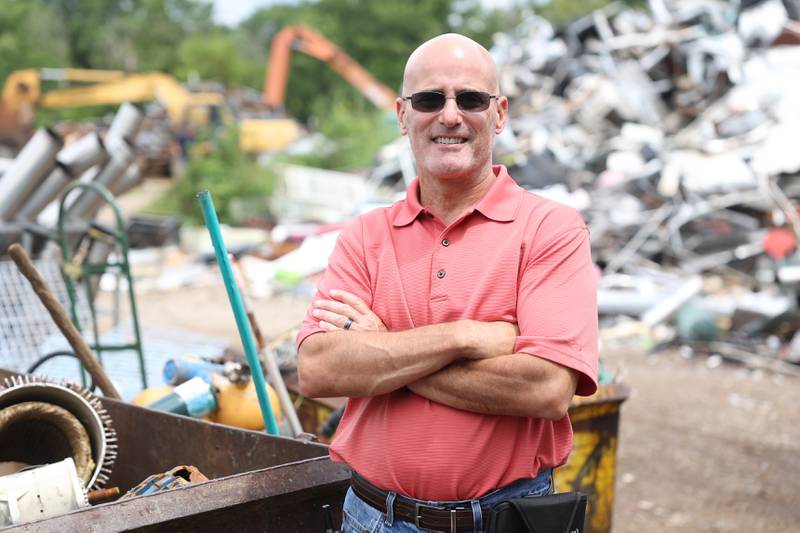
(22, 94)
(311, 43)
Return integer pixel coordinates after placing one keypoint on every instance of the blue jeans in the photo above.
(360, 517)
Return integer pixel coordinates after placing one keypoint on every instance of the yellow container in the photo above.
(592, 464)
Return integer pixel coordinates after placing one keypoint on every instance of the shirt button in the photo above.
(440, 274)
(445, 242)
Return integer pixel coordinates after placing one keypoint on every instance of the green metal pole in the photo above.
(210, 217)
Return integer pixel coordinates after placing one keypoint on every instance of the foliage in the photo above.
(30, 37)
(562, 11)
(137, 35)
(355, 133)
(217, 56)
(217, 165)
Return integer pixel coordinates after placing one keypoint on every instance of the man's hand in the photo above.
(333, 314)
(484, 339)
(489, 339)
(366, 359)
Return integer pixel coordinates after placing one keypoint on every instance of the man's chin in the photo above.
(456, 171)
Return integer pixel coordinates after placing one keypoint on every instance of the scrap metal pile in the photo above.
(674, 132)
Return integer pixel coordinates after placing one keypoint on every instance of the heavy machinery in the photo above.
(187, 110)
(259, 129)
(312, 43)
(22, 94)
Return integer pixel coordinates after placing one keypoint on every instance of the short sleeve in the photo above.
(557, 301)
(346, 271)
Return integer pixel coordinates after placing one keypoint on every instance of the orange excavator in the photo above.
(312, 43)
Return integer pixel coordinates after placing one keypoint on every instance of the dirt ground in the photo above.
(706, 449)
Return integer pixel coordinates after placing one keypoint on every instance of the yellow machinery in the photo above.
(22, 95)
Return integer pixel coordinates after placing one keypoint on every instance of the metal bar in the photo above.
(210, 217)
(122, 240)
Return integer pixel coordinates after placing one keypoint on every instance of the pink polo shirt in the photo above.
(515, 257)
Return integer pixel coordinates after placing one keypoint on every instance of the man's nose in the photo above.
(450, 114)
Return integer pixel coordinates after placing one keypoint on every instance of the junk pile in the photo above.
(672, 131)
(33, 182)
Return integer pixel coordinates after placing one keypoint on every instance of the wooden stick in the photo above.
(60, 317)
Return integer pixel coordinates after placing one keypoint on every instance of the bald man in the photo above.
(459, 322)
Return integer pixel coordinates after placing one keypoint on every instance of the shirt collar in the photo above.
(500, 203)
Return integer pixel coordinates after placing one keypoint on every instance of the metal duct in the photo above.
(133, 177)
(72, 161)
(83, 154)
(31, 166)
(126, 122)
(88, 203)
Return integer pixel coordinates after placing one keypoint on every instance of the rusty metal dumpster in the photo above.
(257, 482)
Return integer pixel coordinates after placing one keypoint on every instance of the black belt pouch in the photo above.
(555, 513)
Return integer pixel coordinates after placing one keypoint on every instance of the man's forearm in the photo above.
(514, 385)
(369, 363)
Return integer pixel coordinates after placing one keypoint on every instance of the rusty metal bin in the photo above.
(592, 464)
(257, 482)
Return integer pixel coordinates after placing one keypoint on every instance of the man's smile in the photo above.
(449, 140)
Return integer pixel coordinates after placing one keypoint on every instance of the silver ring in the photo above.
(347, 323)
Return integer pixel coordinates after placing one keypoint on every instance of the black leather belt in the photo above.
(423, 516)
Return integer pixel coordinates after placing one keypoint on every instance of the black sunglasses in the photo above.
(432, 101)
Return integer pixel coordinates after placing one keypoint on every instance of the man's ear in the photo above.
(502, 113)
(401, 115)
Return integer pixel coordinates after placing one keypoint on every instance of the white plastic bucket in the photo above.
(41, 492)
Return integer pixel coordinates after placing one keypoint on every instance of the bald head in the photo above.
(449, 49)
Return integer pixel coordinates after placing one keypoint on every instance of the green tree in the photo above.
(216, 56)
(219, 166)
(562, 11)
(30, 36)
(136, 36)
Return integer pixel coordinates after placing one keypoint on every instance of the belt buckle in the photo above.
(417, 516)
(418, 507)
(452, 514)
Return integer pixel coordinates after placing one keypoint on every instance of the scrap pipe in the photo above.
(87, 204)
(71, 162)
(210, 218)
(60, 317)
(126, 123)
(83, 154)
(31, 166)
(133, 177)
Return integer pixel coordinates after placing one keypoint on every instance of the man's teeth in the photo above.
(449, 140)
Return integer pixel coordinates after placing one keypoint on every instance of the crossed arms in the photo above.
(466, 364)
